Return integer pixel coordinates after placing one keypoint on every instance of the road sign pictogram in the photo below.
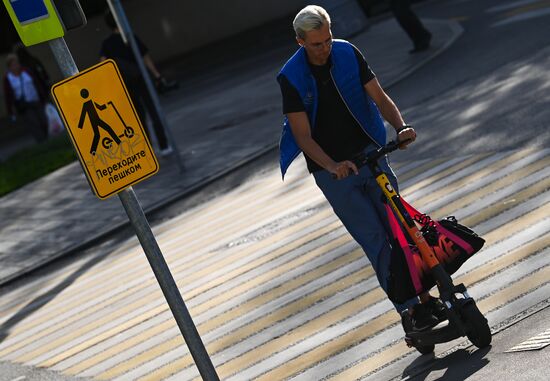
(105, 129)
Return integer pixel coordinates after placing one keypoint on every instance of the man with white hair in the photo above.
(331, 102)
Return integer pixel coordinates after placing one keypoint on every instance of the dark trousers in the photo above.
(145, 106)
(409, 21)
(357, 201)
(35, 120)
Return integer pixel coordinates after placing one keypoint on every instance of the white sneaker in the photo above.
(166, 152)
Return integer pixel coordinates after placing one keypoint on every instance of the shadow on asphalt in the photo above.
(457, 366)
(40, 301)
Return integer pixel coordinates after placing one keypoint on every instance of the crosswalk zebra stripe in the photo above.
(467, 189)
(479, 272)
(353, 338)
(502, 193)
(236, 336)
(509, 210)
(398, 348)
(345, 276)
(441, 171)
(63, 318)
(207, 271)
(142, 303)
(434, 184)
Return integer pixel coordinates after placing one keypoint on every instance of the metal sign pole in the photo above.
(152, 251)
(168, 285)
(126, 31)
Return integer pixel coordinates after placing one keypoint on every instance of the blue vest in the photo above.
(345, 72)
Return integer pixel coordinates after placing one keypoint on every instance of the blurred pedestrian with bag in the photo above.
(33, 64)
(25, 98)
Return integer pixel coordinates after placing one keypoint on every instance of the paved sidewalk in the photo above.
(221, 120)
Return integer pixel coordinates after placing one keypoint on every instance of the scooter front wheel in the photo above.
(478, 330)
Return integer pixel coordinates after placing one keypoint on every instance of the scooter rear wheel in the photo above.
(478, 332)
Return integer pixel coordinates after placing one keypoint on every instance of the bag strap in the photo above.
(453, 237)
(399, 236)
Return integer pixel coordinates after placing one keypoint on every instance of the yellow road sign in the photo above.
(105, 129)
(36, 21)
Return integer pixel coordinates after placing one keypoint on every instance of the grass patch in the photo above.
(34, 162)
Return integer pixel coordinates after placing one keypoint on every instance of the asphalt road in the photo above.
(489, 92)
(483, 97)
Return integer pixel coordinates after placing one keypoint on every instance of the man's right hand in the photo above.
(342, 169)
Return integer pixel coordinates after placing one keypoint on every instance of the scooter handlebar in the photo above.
(373, 156)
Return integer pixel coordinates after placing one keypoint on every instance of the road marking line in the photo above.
(207, 325)
(192, 274)
(137, 249)
(152, 285)
(235, 313)
(302, 193)
(283, 313)
(20, 378)
(496, 192)
(155, 295)
(458, 187)
(461, 164)
(221, 320)
(480, 220)
(480, 273)
(419, 171)
(538, 342)
(399, 349)
(478, 276)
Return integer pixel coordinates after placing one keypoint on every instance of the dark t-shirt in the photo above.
(114, 47)
(336, 130)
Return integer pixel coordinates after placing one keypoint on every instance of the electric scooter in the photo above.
(463, 316)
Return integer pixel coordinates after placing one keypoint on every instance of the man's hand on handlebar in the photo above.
(406, 136)
(342, 169)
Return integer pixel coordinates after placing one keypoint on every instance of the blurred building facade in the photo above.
(170, 28)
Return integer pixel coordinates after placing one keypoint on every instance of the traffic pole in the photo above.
(128, 36)
(150, 246)
(167, 284)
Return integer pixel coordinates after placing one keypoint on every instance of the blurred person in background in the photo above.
(115, 48)
(411, 24)
(34, 66)
(25, 98)
(405, 17)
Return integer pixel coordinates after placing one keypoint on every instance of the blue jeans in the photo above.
(357, 201)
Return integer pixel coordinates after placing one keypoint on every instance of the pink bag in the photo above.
(452, 243)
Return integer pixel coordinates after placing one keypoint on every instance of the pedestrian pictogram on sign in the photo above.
(89, 110)
(105, 129)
